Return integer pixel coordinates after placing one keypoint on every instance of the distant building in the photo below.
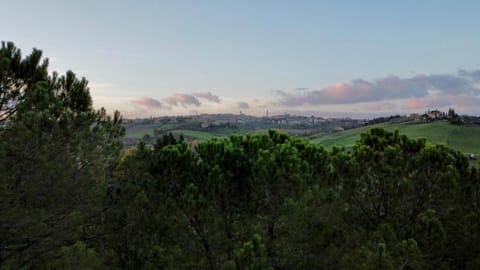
(435, 114)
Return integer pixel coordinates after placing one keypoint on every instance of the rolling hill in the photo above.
(462, 138)
(465, 138)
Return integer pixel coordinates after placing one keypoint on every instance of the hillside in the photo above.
(462, 138)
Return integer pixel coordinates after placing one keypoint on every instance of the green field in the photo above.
(201, 135)
(462, 138)
(139, 130)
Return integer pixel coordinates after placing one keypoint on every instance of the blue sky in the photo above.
(149, 58)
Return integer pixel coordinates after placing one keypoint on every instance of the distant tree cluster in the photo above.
(450, 116)
(382, 119)
(70, 199)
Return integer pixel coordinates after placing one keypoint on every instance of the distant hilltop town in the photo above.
(209, 121)
(206, 121)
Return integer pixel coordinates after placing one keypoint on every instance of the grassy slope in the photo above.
(463, 138)
(201, 135)
(139, 130)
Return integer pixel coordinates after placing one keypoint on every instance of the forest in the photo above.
(71, 197)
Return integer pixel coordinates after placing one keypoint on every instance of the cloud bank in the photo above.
(418, 92)
(387, 88)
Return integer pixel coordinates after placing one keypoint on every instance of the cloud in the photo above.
(182, 100)
(453, 85)
(417, 104)
(148, 103)
(466, 101)
(472, 74)
(388, 88)
(436, 102)
(380, 106)
(243, 105)
(208, 96)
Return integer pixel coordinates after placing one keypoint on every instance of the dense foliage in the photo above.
(69, 199)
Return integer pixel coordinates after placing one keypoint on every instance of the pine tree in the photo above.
(56, 156)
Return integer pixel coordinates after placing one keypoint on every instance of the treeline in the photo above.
(383, 119)
(71, 198)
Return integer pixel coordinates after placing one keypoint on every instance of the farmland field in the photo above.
(462, 138)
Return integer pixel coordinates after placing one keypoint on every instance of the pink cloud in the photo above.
(466, 104)
(416, 103)
(339, 91)
(183, 100)
(148, 103)
(466, 101)
(435, 102)
(344, 92)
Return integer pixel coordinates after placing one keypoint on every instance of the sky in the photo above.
(325, 58)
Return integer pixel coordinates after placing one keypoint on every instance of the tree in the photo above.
(56, 157)
(398, 182)
(17, 76)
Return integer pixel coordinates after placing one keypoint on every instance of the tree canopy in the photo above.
(57, 153)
